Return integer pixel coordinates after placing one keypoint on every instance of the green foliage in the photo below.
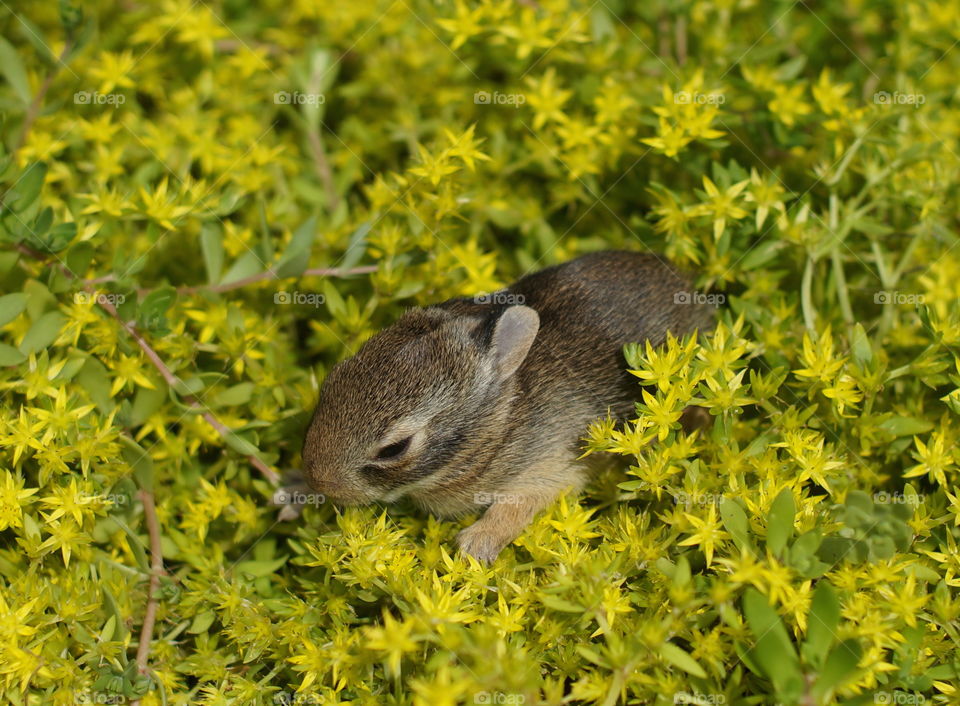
(203, 206)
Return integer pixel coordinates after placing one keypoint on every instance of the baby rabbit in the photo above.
(480, 403)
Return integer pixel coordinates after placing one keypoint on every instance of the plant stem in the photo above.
(156, 570)
(806, 298)
(33, 111)
(842, 295)
(271, 275)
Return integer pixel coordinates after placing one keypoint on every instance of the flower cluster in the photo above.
(205, 205)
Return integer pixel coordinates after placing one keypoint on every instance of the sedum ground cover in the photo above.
(204, 205)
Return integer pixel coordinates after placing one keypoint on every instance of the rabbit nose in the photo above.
(334, 489)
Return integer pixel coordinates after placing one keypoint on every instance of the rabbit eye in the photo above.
(393, 450)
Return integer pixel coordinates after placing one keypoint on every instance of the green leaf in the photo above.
(601, 24)
(106, 634)
(79, 257)
(678, 658)
(237, 395)
(154, 306)
(11, 306)
(41, 225)
(560, 604)
(39, 299)
(355, 248)
(246, 265)
(93, 377)
(773, 651)
(297, 256)
(33, 34)
(905, 426)
(113, 608)
(202, 622)
(760, 255)
(822, 624)
(240, 445)
(792, 68)
(681, 575)
(27, 188)
(12, 69)
(211, 243)
(71, 368)
(43, 332)
(8, 261)
(60, 236)
(839, 668)
(136, 544)
(333, 300)
(10, 355)
(261, 568)
(735, 521)
(189, 387)
(146, 403)
(860, 346)
(780, 521)
(140, 461)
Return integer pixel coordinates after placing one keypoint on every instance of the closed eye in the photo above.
(393, 450)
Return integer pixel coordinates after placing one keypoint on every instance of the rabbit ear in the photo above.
(512, 337)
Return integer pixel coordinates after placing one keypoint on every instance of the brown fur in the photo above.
(481, 435)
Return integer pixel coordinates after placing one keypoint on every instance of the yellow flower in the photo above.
(66, 536)
(106, 201)
(464, 147)
(821, 365)
(936, 457)
(111, 70)
(722, 204)
(69, 500)
(708, 533)
(21, 434)
(546, 99)
(465, 24)
(12, 495)
(788, 103)
(765, 193)
(128, 369)
(844, 393)
(672, 138)
(433, 167)
(394, 638)
(829, 95)
(161, 208)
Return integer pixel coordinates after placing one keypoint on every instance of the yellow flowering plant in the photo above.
(205, 205)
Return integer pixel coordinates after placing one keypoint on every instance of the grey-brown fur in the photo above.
(494, 403)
